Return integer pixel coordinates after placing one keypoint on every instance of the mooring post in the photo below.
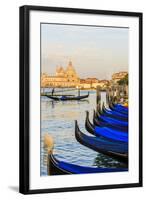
(110, 95)
(98, 97)
(118, 94)
(78, 91)
(107, 96)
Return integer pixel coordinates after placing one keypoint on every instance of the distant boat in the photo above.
(67, 98)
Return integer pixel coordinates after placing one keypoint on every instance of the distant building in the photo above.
(93, 83)
(63, 78)
(67, 77)
(84, 85)
(88, 83)
(103, 84)
(118, 76)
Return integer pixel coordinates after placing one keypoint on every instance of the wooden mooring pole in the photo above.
(98, 97)
(78, 91)
(107, 96)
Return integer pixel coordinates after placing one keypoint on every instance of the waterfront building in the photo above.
(68, 77)
(103, 83)
(116, 88)
(93, 83)
(118, 76)
(84, 85)
(88, 83)
(62, 78)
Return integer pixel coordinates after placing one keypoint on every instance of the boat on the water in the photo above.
(98, 122)
(109, 148)
(118, 107)
(57, 167)
(111, 120)
(67, 98)
(113, 114)
(104, 132)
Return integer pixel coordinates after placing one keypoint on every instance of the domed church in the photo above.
(68, 73)
(63, 78)
(71, 73)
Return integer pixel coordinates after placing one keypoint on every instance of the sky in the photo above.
(94, 51)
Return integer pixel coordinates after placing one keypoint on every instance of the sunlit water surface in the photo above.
(57, 119)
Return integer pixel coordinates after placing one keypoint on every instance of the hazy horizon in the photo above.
(94, 51)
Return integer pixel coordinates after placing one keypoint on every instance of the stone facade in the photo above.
(118, 76)
(63, 78)
(93, 83)
(67, 77)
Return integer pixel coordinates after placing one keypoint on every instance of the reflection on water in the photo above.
(103, 160)
(57, 119)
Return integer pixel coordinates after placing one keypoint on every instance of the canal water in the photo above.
(58, 119)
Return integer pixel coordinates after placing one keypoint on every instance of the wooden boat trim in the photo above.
(89, 127)
(53, 166)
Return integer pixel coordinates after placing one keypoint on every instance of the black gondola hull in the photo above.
(67, 98)
(53, 168)
(98, 122)
(122, 157)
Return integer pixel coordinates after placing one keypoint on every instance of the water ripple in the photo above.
(57, 119)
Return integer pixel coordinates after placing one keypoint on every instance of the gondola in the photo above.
(119, 108)
(98, 122)
(112, 120)
(114, 114)
(118, 105)
(57, 167)
(68, 98)
(116, 151)
(106, 133)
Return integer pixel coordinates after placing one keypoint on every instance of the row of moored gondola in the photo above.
(109, 136)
